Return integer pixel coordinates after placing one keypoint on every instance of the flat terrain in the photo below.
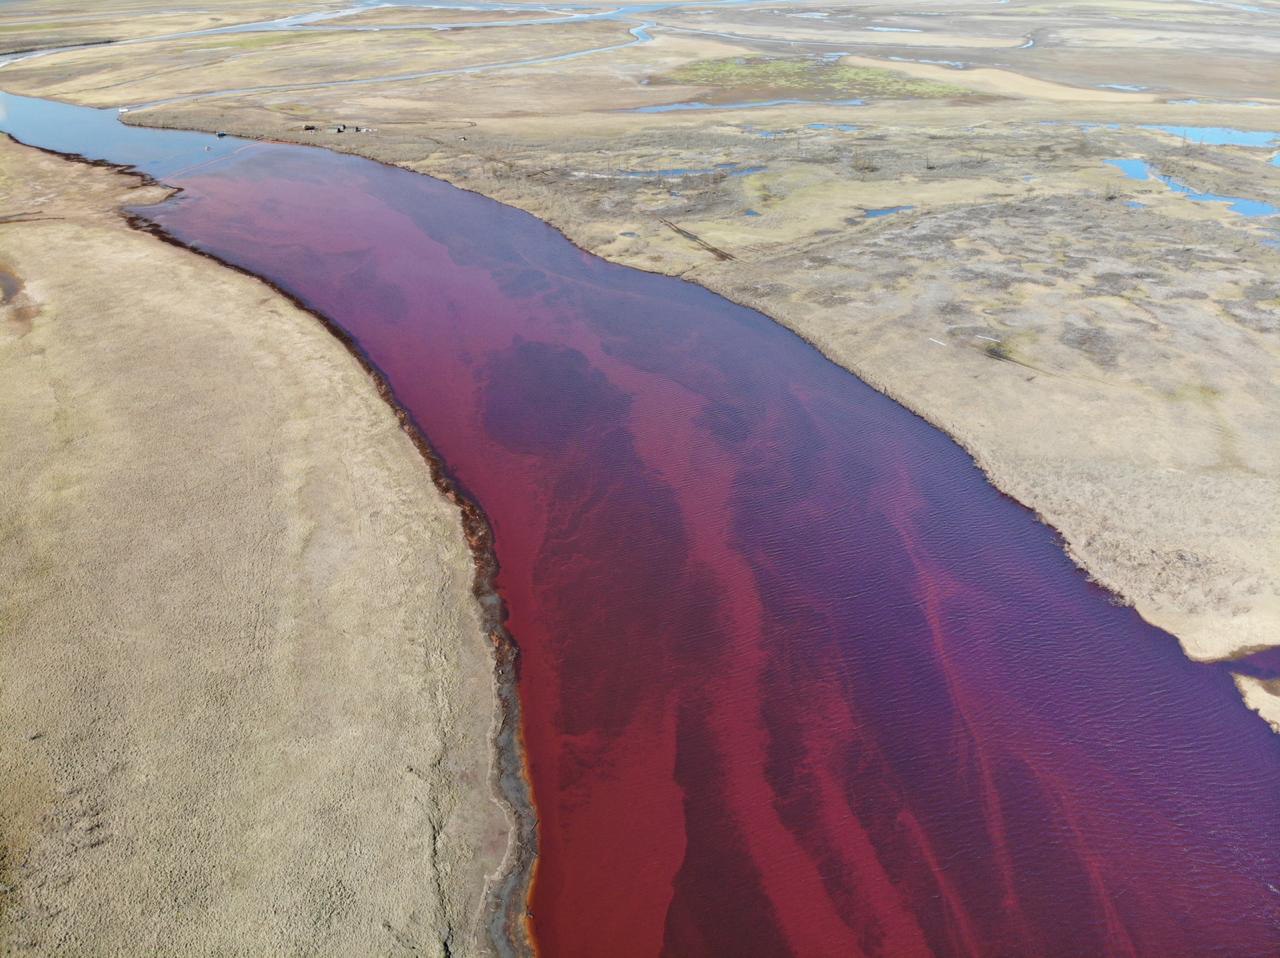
(245, 692)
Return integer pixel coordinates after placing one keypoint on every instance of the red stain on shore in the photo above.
(795, 679)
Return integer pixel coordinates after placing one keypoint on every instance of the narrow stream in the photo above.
(795, 679)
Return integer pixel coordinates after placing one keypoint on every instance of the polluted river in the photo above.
(791, 677)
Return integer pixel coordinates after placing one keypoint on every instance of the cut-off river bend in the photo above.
(794, 679)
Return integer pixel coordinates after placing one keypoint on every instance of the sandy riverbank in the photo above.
(245, 691)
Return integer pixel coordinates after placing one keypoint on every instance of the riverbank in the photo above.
(1114, 376)
(242, 647)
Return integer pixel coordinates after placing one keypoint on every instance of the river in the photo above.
(794, 678)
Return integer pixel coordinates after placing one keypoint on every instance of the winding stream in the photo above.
(795, 678)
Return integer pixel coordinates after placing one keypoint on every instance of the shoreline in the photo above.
(505, 898)
(1131, 557)
(509, 781)
(328, 552)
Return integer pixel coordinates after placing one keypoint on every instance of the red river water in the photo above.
(795, 679)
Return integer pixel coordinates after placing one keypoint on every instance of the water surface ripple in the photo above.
(795, 679)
